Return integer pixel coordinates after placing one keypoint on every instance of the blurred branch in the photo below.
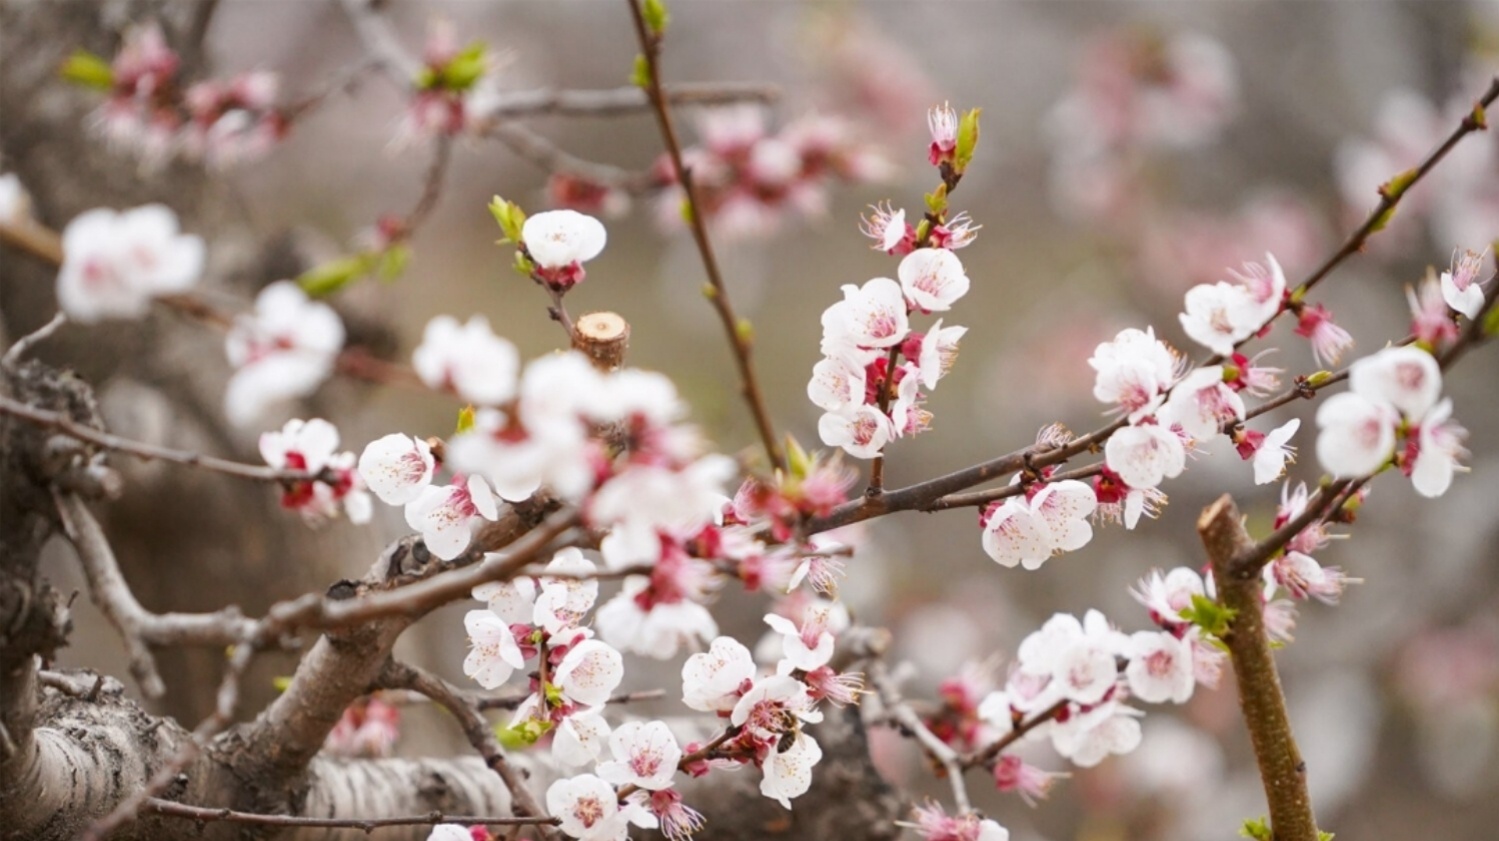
(148, 452)
(1282, 769)
(737, 331)
(628, 100)
(138, 627)
(906, 717)
(203, 814)
(549, 157)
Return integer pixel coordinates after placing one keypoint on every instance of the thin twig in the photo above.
(549, 157)
(625, 100)
(737, 332)
(941, 752)
(24, 344)
(139, 449)
(986, 755)
(401, 676)
(204, 814)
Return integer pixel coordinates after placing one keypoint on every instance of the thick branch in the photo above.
(1260, 698)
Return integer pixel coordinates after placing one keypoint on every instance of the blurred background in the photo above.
(1129, 151)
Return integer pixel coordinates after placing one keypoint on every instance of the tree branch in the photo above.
(737, 331)
(1282, 769)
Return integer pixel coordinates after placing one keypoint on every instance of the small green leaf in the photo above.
(936, 200)
(522, 735)
(1323, 835)
(86, 69)
(1491, 322)
(466, 68)
(640, 76)
(1317, 379)
(523, 265)
(1212, 617)
(1383, 219)
(510, 218)
(686, 210)
(1396, 187)
(1258, 829)
(465, 420)
(797, 458)
(426, 79)
(281, 682)
(333, 275)
(1480, 120)
(393, 261)
(968, 139)
(744, 331)
(710, 291)
(656, 16)
(923, 229)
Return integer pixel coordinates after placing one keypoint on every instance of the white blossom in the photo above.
(494, 654)
(1144, 456)
(806, 647)
(711, 680)
(468, 358)
(587, 809)
(1016, 535)
(788, 773)
(1133, 371)
(1439, 445)
(512, 601)
(115, 263)
(446, 516)
(1202, 403)
(1357, 434)
(862, 431)
(871, 316)
(580, 738)
(589, 672)
(838, 382)
(1406, 378)
(1273, 453)
(397, 467)
(659, 631)
(559, 238)
(1160, 667)
(645, 755)
(281, 351)
(1065, 507)
(932, 279)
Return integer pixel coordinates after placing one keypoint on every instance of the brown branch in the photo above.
(1282, 769)
(547, 156)
(902, 713)
(149, 452)
(138, 627)
(986, 755)
(1390, 198)
(34, 238)
(737, 332)
(24, 344)
(627, 100)
(203, 814)
(225, 702)
(401, 676)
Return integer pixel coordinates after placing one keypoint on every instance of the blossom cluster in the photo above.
(1394, 395)
(747, 179)
(454, 89)
(115, 263)
(874, 367)
(281, 350)
(334, 485)
(154, 114)
(1071, 682)
(1138, 92)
